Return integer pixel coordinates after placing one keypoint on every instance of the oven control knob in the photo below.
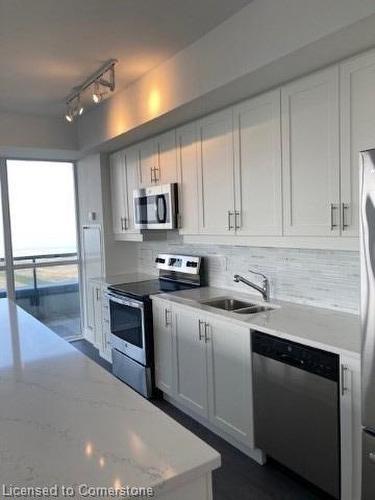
(159, 260)
(191, 264)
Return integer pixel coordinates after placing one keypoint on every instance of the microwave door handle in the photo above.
(161, 220)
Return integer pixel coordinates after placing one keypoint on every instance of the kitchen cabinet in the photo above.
(191, 366)
(118, 191)
(147, 162)
(310, 144)
(216, 174)
(162, 319)
(124, 179)
(258, 205)
(204, 364)
(229, 378)
(167, 157)
(96, 298)
(187, 159)
(98, 319)
(357, 106)
(92, 267)
(105, 349)
(158, 160)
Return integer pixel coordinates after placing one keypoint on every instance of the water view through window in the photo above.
(44, 241)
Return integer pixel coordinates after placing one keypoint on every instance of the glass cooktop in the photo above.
(143, 289)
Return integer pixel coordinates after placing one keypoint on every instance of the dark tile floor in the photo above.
(239, 477)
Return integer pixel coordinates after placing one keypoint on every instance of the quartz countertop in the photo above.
(326, 329)
(64, 420)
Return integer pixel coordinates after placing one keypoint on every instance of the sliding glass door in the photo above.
(42, 220)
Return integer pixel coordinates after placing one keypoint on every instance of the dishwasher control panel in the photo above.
(322, 363)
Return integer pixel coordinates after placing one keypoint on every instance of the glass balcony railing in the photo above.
(47, 286)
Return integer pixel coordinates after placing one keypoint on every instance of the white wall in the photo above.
(94, 196)
(35, 132)
(264, 32)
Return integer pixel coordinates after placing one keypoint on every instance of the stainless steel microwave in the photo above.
(156, 207)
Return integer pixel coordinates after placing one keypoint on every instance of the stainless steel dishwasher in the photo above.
(296, 408)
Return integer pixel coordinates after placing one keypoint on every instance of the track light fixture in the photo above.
(74, 108)
(102, 82)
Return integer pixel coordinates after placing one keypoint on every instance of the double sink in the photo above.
(236, 306)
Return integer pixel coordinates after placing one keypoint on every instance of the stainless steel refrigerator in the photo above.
(367, 237)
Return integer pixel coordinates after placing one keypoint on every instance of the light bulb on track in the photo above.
(96, 95)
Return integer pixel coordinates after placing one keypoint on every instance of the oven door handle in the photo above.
(123, 301)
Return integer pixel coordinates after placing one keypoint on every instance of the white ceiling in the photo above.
(49, 46)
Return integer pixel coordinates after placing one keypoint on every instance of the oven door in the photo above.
(155, 207)
(127, 320)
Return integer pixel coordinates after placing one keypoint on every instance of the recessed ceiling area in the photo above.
(49, 46)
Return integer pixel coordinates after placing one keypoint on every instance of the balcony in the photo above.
(47, 286)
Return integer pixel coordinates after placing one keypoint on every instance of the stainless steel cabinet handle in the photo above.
(97, 293)
(345, 208)
(166, 321)
(157, 169)
(152, 170)
(230, 227)
(200, 324)
(236, 218)
(344, 387)
(125, 224)
(333, 207)
(371, 457)
(206, 332)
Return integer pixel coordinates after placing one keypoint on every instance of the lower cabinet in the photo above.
(190, 352)
(205, 366)
(162, 319)
(229, 379)
(97, 330)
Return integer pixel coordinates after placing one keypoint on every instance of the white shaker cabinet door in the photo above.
(148, 163)
(191, 363)
(167, 158)
(118, 191)
(230, 379)
(357, 132)
(216, 176)
(163, 345)
(187, 157)
(258, 166)
(310, 140)
(132, 183)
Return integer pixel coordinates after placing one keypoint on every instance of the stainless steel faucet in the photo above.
(264, 289)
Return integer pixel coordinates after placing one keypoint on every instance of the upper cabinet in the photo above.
(258, 206)
(124, 167)
(118, 191)
(310, 139)
(216, 173)
(280, 169)
(187, 160)
(147, 163)
(167, 157)
(357, 132)
(158, 160)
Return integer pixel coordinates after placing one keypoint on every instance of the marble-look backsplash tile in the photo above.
(322, 278)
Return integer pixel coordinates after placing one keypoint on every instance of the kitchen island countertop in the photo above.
(64, 420)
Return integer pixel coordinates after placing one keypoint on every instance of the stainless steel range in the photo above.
(131, 318)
